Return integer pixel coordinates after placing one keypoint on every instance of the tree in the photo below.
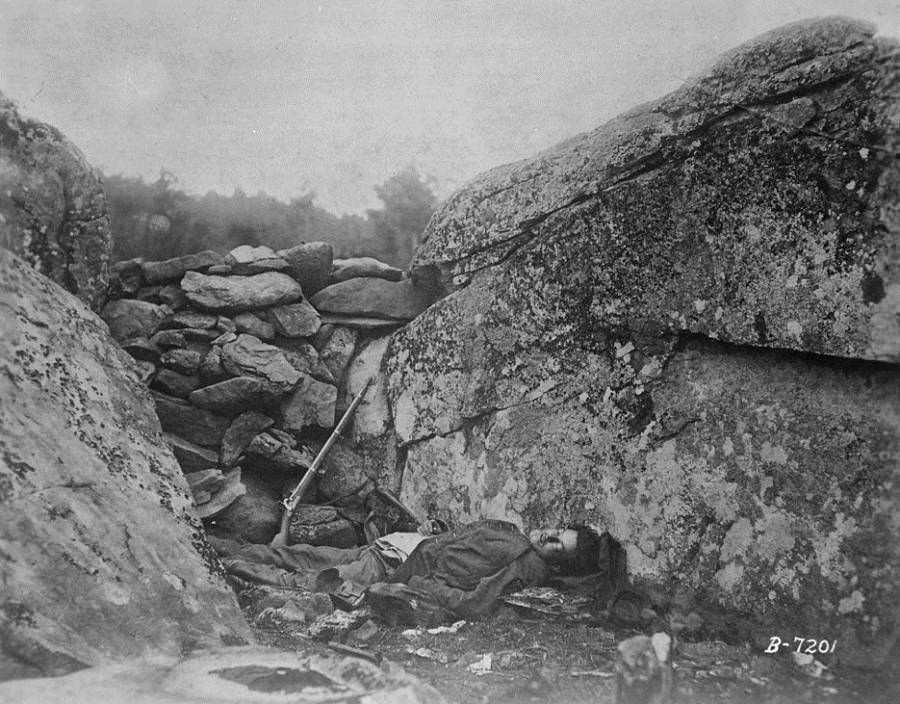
(409, 204)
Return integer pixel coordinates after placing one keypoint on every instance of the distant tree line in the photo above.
(157, 220)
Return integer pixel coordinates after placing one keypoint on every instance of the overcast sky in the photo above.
(289, 96)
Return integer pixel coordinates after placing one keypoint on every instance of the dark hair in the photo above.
(586, 559)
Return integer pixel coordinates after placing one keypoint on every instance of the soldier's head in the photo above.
(574, 549)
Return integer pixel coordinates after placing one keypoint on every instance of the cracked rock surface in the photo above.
(684, 327)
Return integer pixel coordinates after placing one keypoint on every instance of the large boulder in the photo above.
(669, 327)
(103, 554)
(53, 209)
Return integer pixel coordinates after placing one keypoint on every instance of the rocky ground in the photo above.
(515, 657)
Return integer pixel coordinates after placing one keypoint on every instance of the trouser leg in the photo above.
(299, 557)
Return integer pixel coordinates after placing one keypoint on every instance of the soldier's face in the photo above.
(554, 544)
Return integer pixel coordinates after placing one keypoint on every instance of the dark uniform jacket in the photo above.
(466, 570)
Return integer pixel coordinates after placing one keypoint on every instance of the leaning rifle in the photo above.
(291, 502)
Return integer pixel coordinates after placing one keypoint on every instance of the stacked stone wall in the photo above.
(252, 358)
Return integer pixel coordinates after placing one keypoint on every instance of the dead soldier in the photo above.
(416, 578)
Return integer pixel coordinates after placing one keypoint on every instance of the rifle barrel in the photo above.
(291, 502)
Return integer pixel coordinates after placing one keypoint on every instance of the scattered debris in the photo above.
(366, 632)
(429, 654)
(483, 665)
(299, 609)
(811, 667)
(452, 628)
(549, 601)
(337, 625)
(356, 652)
(644, 670)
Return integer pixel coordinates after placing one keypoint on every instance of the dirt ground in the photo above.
(544, 659)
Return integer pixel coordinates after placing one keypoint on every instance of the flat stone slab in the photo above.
(158, 272)
(344, 269)
(237, 293)
(361, 322)
(365, 296)
(248, 355)
(296, 320)
(249, 675)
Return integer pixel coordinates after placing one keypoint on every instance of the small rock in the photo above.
(219, 270)
(194, 424)
(266, 452)
(141, 348)
(168, 339)
(125, 278)
(233, 396)
(192, 319)
(310, 264)
(366, 632)
(181, 360)
(337, 625)
(249, 355)
(145, 370)
(150, 294)
(304, 358)
(300, 609)
(225, 324)
(246, 254)
(253, 325)
(338, 350)
(283, 437)
(190, 456)
(203, 336)
(254, 517)
(231, 490)
(129, 318)
(175, 384)
(172, 296)
(295, 320)
(239, 434)
(311, 403)
(211, 370)
(208, 481)
(170, 269)
(224, 339)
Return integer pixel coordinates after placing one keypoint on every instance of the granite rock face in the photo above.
(103, 554)
(684, 326)
(53, 210)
